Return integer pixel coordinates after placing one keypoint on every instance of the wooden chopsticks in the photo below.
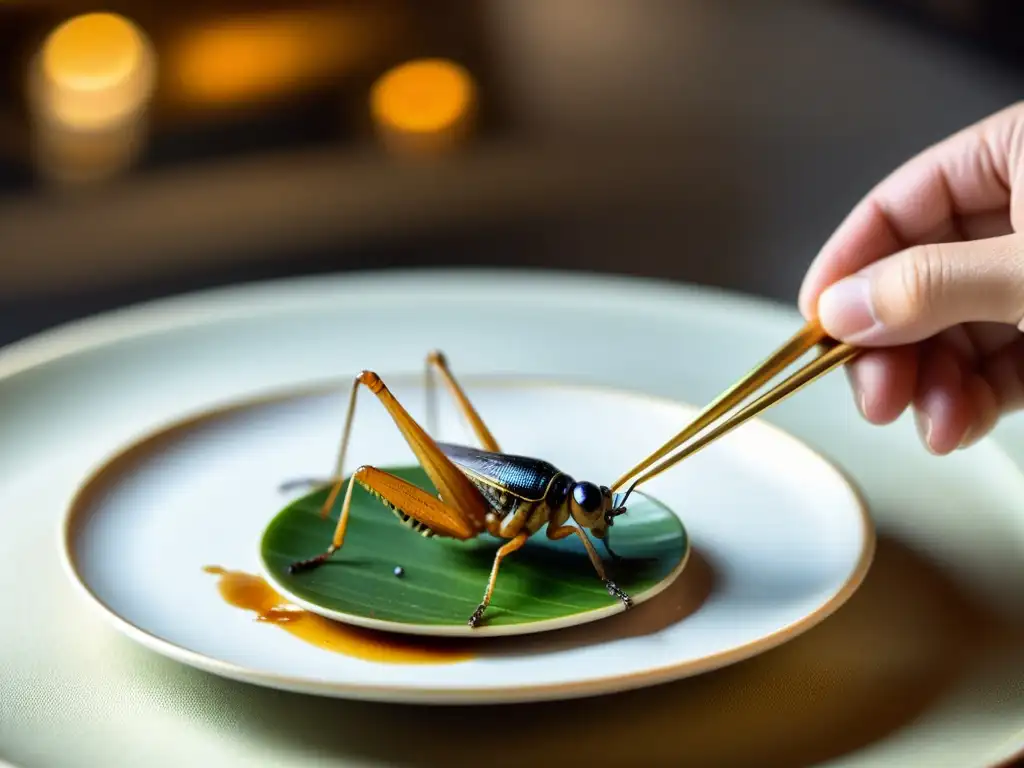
(811, 335)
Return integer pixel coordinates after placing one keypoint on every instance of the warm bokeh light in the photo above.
(94, 70)
(89, 89)
(240, 59)
(425, 105)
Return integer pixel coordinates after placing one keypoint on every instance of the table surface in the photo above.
(922, 661)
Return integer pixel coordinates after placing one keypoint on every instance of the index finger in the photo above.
(966, 174)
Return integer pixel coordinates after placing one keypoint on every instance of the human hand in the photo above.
(928, 271)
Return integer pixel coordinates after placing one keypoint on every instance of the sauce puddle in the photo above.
(252, 593)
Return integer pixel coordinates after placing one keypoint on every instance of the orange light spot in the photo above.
(424, 99)
(94, 69)
(259, 56)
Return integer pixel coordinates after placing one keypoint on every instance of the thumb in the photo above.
(916, 293)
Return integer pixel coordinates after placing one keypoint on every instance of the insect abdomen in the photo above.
(501, 501)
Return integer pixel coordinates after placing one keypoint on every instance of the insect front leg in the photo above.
(437, 361)
(608, 547)
(459, 498)
(614, 590)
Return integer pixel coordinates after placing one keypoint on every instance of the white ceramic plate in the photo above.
(917, 668)
(783, 540)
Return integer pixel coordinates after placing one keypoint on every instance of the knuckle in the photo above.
(370, 380)
(923, 277)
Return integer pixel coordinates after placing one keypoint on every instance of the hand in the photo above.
(928, 271)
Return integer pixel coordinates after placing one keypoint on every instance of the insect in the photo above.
(479, 489)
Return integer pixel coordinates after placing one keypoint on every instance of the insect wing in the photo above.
(521, 476)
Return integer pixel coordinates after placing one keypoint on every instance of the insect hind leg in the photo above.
(459, 507)
(339, 462)
(436, 360)
(413, 506)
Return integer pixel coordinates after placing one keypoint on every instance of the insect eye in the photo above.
(587, 496)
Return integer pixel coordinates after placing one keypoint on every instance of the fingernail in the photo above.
(858, 390)
(845, 308)
(924, 429)
(971, 436)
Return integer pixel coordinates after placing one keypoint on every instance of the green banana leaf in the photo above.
(443, 580)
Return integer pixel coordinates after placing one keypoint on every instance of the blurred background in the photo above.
(148, 149)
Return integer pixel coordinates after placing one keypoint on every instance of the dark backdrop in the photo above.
(704, 141)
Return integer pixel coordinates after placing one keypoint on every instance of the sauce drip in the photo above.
(252, 593)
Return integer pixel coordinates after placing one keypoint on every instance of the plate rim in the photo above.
(283, 295)
(379, 691)
(502, 630)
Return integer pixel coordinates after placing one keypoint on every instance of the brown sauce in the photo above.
(252, 593)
